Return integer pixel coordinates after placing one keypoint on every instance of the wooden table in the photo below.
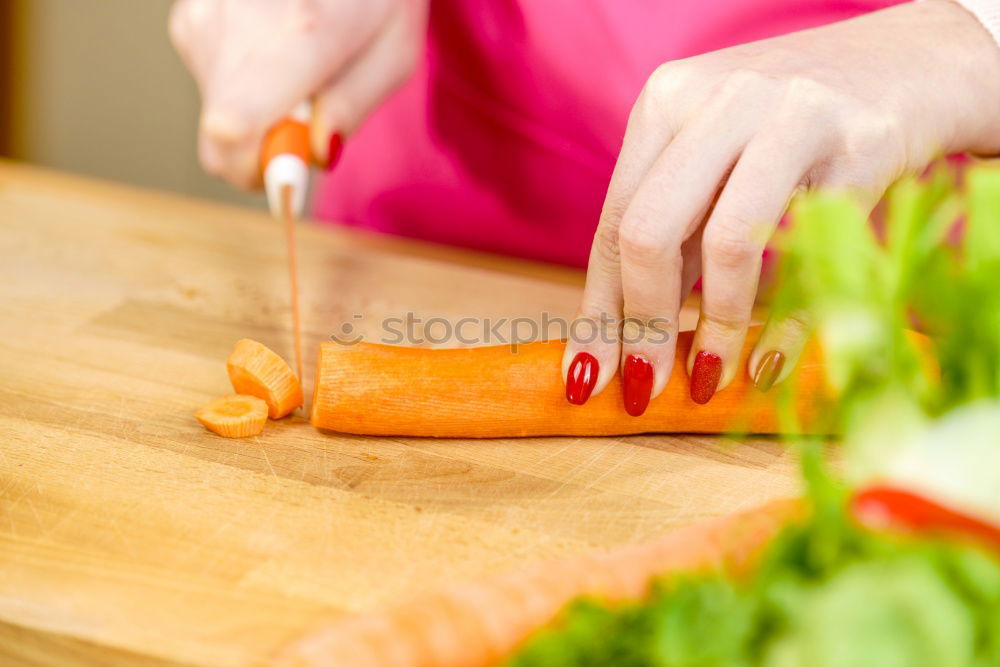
(129, 534)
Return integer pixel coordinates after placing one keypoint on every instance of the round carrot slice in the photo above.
(234, 416)
(257, 371)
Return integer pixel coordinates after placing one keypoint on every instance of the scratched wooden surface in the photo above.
(129, 534)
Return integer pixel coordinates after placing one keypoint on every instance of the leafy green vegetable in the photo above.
(829, 593)
(863, 293)
(688, 621)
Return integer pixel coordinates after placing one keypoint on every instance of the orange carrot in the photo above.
(494, 392)
(480, 623)
(257, 371)
(234, 416)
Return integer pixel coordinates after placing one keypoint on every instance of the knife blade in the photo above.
(285, 159)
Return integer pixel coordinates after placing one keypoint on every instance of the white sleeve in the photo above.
(988, 13)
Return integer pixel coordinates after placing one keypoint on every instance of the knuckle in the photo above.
(666, 79)
(614, 211)
(606, 253)
(187, 20)
(804, 90)
(659, 93)
(796, 324)
(867, 129)
(877, 134)
(641, 239)
(723, 324)
(740, 82)
(730, 244)
(225, 126)
(865, 143)
(808, 103)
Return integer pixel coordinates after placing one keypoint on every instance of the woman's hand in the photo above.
(715, 148)
(254, 60)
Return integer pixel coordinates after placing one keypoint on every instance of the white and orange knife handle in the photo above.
(285, 158)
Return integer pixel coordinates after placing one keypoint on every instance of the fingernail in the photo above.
(333, 150)
(705, 376)
(581, 378)
(768, 370)
(637, 384)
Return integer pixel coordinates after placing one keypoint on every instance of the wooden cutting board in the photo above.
(129, 534)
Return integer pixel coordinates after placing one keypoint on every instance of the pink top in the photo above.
(506, 136)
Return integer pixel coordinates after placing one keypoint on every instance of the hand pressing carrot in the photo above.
(716, 146)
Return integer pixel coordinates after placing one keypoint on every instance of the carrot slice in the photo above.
(257, 371)
(234, 416)
(478, 623)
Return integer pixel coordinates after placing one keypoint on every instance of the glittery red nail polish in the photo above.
(705, 376)
(581, 378)
(333, 151)
(637, 384)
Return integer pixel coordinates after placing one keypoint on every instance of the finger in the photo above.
(777, 350)
(691, 254)
(378, 70)
(666, 210)
(691, 257)
(780, 344)
(749, 207)
(593, 350)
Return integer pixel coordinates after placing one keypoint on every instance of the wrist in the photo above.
(987, 12)
(974, 54)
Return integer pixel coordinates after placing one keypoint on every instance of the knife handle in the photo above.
(285, 157)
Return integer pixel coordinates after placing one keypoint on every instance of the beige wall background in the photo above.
(94, 86)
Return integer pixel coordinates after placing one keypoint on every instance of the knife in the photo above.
(284, 163)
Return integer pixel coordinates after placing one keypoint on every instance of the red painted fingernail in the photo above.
(705, 376)
(581, 378)
(768, 370)
(333, 151)
(637, 384)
